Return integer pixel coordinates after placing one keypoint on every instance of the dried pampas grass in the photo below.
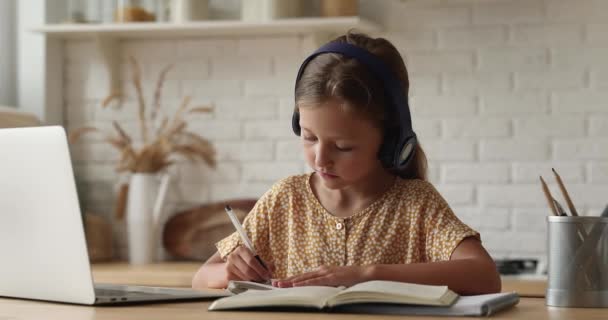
(170, 138)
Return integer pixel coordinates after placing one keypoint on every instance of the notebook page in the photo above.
(312, 296)
(400, 289)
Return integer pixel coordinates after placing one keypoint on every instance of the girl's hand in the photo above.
(327, 276)
(241, 264)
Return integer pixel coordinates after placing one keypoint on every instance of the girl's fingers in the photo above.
(237, 265)
(301, 276)
(235, 274)
(316, 281)
(254, 264)
(249, 265)
(289, 282)
(321, 276)
(250, 273)
(304, 276)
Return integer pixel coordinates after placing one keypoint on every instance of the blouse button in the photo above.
(339, 226)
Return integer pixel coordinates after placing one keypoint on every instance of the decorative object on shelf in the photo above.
(135, 11)
(181, 11)
(265, 10)
(191, 234)
(83, 11)
(147, 161)
(339, 8)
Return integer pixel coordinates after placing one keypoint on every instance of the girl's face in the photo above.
(341, 146)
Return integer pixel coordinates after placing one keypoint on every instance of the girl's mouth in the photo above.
(326, 175)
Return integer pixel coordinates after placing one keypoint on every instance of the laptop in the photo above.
(43, 252)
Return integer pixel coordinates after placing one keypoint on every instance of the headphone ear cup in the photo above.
(405, 154)
(295, 123)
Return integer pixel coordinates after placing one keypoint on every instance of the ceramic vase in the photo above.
(142, 231)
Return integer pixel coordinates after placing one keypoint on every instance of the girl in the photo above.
(360, 215)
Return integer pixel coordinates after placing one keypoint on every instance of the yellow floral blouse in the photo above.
(410, 223)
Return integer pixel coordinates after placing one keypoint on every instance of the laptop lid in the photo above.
(42, 242)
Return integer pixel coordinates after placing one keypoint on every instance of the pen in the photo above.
(244, 238)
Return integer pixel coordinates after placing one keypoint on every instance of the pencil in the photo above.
(565, 193)
(548, 196)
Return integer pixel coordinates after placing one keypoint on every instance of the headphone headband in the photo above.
(395, 151)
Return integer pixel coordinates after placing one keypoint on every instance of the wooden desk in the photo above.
(528, 308)
(168, 274)
(525, 288)
(180, 274)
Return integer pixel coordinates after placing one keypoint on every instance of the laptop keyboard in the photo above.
(122, 293)
(110, 293)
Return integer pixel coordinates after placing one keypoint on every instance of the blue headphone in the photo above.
(399, 144)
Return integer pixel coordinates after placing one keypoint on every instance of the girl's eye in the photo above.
(309, 138)
(344, 149)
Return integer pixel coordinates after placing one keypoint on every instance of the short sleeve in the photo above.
(256, 227)
(444, 231)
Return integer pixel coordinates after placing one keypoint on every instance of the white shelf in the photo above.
(108, 36)
(209, 28)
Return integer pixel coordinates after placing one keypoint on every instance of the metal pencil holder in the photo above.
(578, 262)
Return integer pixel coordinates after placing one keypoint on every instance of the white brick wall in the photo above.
(501, 92)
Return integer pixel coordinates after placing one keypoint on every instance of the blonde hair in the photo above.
(334, 75)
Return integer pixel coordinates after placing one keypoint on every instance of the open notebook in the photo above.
(372, 298)
(319, 297)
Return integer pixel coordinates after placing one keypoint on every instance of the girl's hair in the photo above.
(332, 75)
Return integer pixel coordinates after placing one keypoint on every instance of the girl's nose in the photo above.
(322, 158)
